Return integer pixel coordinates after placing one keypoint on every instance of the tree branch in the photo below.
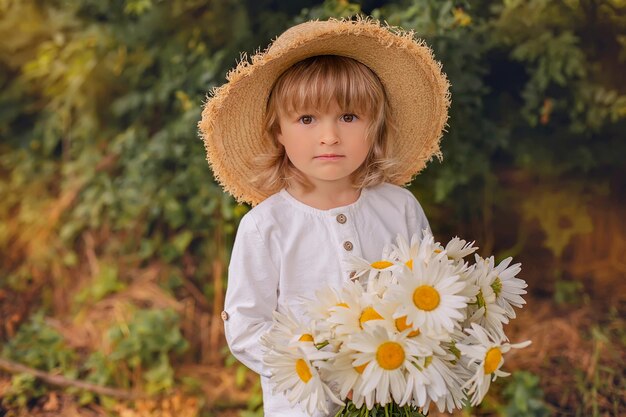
(61, 381)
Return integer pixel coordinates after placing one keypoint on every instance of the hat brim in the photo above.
(417, 90)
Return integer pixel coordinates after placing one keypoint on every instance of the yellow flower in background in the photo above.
(461, 18)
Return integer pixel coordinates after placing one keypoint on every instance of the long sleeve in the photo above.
(251, 295)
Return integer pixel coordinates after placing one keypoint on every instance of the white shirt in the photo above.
(285, 249)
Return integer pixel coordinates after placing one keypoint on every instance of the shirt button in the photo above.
(224, 315)
(341, 218)
(347, 245)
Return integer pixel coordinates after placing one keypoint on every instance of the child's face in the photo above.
(325, 146)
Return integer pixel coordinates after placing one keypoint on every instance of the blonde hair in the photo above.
(317, 82)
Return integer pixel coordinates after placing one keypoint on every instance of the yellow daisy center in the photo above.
(361, 368)
(437, 251)
(390, 355)
(369, 314)
(381, 264)
(492, 360)
(303, 371)
(426, 298)
(409, 263)
(343, 305)
(401, 326)
(306, 338)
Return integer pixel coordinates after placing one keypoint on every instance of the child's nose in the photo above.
(330, 134)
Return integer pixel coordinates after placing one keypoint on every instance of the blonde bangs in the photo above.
(315, 84)
(320, 81)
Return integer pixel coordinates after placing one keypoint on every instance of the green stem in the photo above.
(322, 345)
(390, 410)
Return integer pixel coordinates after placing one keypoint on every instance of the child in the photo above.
(318, 133)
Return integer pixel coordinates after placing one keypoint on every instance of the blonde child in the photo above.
(318, 133)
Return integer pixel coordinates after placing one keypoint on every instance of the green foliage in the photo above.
(329, 8)
(601, 386)
(524, 397)
(143, 346)
(107, 282)
(254, 406)
(24, 388)
(39, 346)
(568, 292)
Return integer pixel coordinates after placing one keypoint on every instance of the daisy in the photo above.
(484, 309)
(429, 296)
(377, 273)
(382, 282)
(355, 309)
(319, 309)
(458, 248)
(347, 377)
(507, 288)
(417, 251)
(292, 372)
(464, 271)
(288, 330)
(386, 357)
(445, 389)
(387, 309)
(483, 352)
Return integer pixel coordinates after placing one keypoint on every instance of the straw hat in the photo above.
(417, 90)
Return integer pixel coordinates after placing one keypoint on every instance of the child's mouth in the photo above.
(329, 157)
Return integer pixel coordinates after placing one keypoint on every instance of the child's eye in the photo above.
(306, 119)
(348, 117)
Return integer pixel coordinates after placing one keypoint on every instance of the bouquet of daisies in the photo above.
(416, 327)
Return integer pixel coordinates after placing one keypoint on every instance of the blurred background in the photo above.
(115, 239)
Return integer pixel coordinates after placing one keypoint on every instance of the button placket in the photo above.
(347, 234)
(347, 238)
